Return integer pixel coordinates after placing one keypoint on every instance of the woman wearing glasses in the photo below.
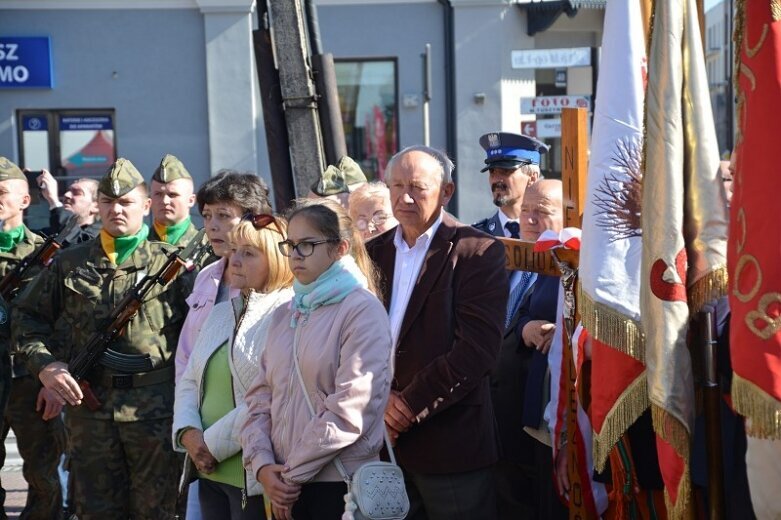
(371, 210)
(209, 409)
(336, 333)
(222, 201)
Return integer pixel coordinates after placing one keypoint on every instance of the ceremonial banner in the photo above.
(610, 256)
(565, 414)
(755, 228)
(684, 231)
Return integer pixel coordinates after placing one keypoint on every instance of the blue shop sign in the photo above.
(86, 123)
(25, 62)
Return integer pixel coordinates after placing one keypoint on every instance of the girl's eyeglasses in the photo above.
(262, 221)
(304, 248)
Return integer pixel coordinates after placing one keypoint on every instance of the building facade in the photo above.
(144, 78)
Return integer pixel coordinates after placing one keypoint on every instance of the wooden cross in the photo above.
(520, 255)
(574, 151)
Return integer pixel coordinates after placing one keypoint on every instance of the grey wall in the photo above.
(159, 92)
(401, 31)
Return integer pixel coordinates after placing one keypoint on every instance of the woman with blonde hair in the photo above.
(209, 409)
(371, 209)
(325, 374)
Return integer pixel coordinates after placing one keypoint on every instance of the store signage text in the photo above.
(25, 62)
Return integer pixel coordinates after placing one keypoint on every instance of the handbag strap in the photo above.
(337, 462)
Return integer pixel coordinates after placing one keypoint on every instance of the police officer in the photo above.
(513, 164)
(122, 461)
(40, 442)
(172, 197)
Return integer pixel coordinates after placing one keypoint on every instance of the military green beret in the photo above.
(341, 178)
(170, 169)
(9, 170)
(120, 179)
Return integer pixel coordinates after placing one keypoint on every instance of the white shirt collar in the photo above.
(424, 239)
(503, 220)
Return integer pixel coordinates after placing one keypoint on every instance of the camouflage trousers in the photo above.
(41, 444)
(122, 470)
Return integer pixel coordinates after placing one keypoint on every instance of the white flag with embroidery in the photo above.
(612, 246)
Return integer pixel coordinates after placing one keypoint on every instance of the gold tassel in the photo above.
(674, 433)
(775, 10)
(629, 406)
(708, 289)
(763, 410)
(611, 327)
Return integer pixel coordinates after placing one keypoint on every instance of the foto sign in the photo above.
(551, 58)
(553, 104)
(25, 62)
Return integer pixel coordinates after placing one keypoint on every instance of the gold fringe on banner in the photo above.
(708, 289)
(763, 410)
(674, 433)
(628, 407)
(611, 327)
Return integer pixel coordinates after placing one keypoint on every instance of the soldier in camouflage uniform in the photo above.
(29, 409)
(172, 197)
(122, 461)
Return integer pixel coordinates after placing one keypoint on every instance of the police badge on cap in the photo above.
(507, 150)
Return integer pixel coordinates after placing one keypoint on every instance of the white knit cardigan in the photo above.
(222, 438)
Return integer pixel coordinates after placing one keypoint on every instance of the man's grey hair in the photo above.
(529, 169)
(445, 164)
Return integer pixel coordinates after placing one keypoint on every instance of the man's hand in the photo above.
(539, 334)
(50, 402)
(193, 442)
(282, 494)
(48, 185)
(398, 415)
(55, 377)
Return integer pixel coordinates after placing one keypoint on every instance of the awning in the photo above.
(542, 13)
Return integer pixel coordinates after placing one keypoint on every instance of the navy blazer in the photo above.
(539, 304)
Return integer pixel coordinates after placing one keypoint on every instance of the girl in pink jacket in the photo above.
(340, 333)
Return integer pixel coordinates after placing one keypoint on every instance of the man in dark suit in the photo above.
(513, 164)
(446, 292)
(541, 210)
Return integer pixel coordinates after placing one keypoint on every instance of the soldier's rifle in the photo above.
(97, 347)
(42, 256)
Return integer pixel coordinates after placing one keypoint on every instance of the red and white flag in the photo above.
(610, 256)
(684, 232)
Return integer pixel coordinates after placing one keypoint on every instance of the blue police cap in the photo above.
(506, 150)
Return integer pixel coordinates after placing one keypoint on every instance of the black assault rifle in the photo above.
(42, 255)
(100, 340)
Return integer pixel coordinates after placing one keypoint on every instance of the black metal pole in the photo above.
(329, 111)
(273, 113)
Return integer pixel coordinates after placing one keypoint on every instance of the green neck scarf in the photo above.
(119, 249)
(9, 239)
(172, 234)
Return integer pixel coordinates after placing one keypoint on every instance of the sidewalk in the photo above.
(13, 482)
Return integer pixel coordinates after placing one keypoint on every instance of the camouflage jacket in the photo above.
(8, 261)
(186, 237)
(61, 308)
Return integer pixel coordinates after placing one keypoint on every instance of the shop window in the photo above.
(368, 98)
(71, 144)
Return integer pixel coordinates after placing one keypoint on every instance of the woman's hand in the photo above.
(196, 447)
(282, 494)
